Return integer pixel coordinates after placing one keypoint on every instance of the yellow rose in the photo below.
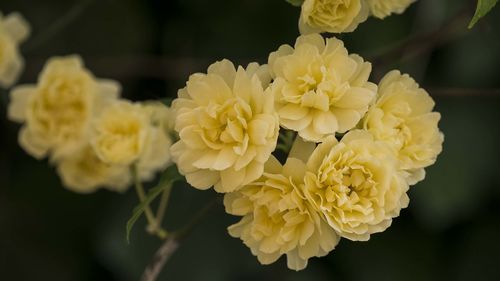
(13, 31)
(383, 8)
(355, 183)
(121, 133)
(278, 219)
(334, 16)
(227, 127)
(319, 88)
(57, 112)
(402, 116)
(84, 172)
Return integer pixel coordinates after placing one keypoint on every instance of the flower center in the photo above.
(347, 181)
(226, 124)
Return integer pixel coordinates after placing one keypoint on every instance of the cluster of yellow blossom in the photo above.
(91, 135)
(359, 146)
(228, 122)
(13, 31)
(337, 16)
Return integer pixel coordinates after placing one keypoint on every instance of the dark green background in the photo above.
(451, 230)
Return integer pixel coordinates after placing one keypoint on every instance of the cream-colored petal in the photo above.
(109, 89)
(32, 144)
(230, 180)
(17, 27)
(10, 70)
(19, 100)
(356, 98)
(301, 149)
(203, 179)
(225, 69)
(325, 123)
(315, 40)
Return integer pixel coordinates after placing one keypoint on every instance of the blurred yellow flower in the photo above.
(227, 127)
(383, 8)
(57, 112)
(13, 31)
(84, 172)
(121, 133)
(402, 116)
(278, 219)
(355, 183)
(334, 16)
(127, 133)
(319, 88)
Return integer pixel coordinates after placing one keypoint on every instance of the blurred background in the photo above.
(450, 231)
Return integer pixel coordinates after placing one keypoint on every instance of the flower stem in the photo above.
(172, 242)
(153, 226)
(162, 207)
(58, 25)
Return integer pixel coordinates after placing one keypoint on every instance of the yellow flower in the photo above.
(319, 88)
(334, 16)
(57, 112)
(383, 8)
(278, 219)
(84, 172)
(356, 185)
(227, 127)
(13, 31)
(121, 133)
(402, 116)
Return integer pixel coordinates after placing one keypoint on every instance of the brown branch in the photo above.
(422, 43)
(160, 259)
(464, 92)
(168, 248)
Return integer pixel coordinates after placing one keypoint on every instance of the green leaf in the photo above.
(169, 176)
(296, 3)
(483, 8)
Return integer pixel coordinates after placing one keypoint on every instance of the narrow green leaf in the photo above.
(483, 8)
(169, 176)
(296, 3)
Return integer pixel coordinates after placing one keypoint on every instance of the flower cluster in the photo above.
(91, 135)
(338, 16)
(358, 146)
(328, 188)
(13, 31)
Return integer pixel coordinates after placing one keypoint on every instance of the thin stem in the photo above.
(152, 224)
(60, 24)
(162, 207)
(411, 47)
(160, 258)
(168, 248)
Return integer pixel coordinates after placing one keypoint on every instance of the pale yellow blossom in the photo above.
(58, 110)
(319, 88)
(402, 116)
(84, 172)
(383, 8)
(127, 134)
(227, 126)
(121, 133)
(356, 185)
(334, 16)
(13, 31)
(278, 219)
